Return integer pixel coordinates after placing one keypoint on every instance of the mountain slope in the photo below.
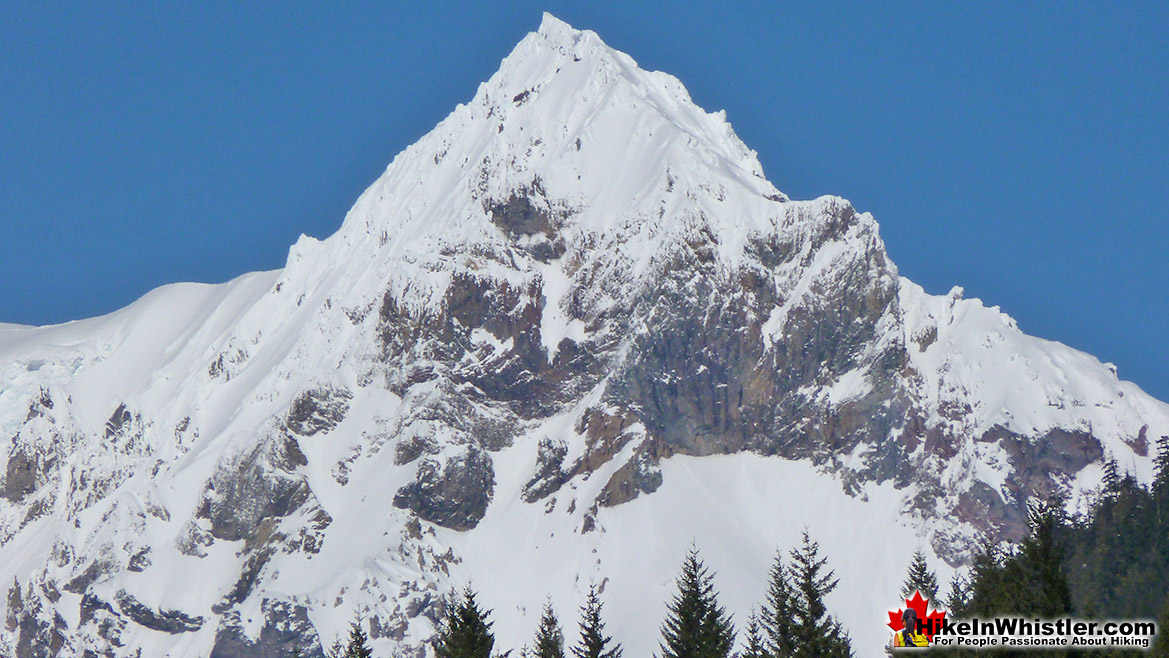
(566, 333)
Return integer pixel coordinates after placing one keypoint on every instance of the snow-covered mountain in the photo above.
(566, 335)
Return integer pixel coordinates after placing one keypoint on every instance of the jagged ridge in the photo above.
(575, 321)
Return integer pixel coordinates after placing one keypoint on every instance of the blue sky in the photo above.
(1019, 151)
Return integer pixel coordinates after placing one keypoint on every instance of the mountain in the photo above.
(567, 334)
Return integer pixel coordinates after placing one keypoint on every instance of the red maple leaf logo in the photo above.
(919, 606)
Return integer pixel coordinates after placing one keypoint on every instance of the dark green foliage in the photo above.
(776, 618)
(549, 637)
(1161, 473)
(1111, 477)
(815, 634)
(1160, 648)
(1161, 493)
(356, 647)
(1045, 589)
(465, 631)
(1118, 558)
(959, 596)
(1111, 564)
(920, 579)
(756, 645)
(593, 641)
(1030, 580)
(696, 626)
(988, 581)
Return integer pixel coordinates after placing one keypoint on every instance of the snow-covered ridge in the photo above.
(975, 356)
(565, 333)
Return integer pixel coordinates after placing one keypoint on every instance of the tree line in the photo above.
(792, 622)
(1112, 562)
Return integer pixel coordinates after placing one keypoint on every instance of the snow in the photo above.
(851, 385)
(631, 170)
(638, 548)
(1025, 384)
(554, 325)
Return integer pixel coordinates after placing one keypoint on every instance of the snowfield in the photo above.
(567, 335)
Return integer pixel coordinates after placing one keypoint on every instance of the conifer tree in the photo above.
(358, 646)
(920, 579)
(816, 633)
(697, 626)
(549, 637)
(958, 599)
(1111, 479)
(776, 616)
(990, 591)
(593, 641)
(756, 645)
(465, 631)
(1161, 467)
(1161, 480)
(1160, 648)
(1041, 563)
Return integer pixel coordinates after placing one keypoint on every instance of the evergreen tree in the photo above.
(549, 638)
(1046, 591)
(776, 618)
(1114, 561)
(593, 641)
(697, 626)
(1161, 467)
(1111, 480)
(1161, 481)
(990, 591)
(1160, 648)
(920, 579)
(816, 633)
(1029, 581)
(358, 646)
(756, 646)
(465, 631)
(959, 597)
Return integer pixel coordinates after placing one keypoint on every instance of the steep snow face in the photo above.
(564, 335)
(562, 107)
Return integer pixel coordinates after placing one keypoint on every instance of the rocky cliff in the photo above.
(565, 334)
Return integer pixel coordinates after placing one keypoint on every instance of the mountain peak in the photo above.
(601, 136)
(559, 37)
(554, 29)
(573, 314)
(546, 52)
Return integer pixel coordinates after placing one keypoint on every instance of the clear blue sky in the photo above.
(1020, 150)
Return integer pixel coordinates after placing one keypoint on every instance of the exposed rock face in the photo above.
(166, 621)
(20, 478)
(530, 327)
(317, 410)
(707, 380)
(453, 494)
(489, 329)
(528, 217)
(260, 484)
(39, 632)
(640, 475)
(286, 631)
(550, 474)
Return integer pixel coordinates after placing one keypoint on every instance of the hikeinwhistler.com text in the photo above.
(1024, 633)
